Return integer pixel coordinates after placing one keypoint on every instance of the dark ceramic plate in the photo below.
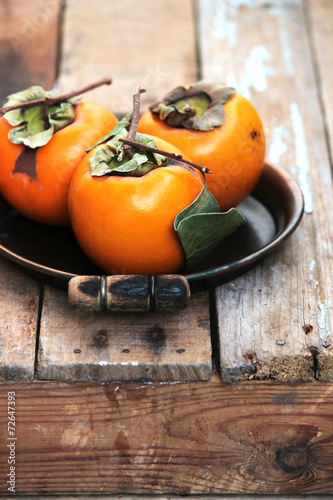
(272, 213)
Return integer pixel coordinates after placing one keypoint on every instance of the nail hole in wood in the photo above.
(307, 329)
(100, 338)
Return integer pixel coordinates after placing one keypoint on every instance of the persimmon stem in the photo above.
(173, 156)
(49, 101)
(134, 122)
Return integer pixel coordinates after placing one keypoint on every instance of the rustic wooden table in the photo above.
(206, 401)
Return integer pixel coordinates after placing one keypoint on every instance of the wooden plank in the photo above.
(134, 347)
(319, 19)
(18, 313)
(175, 497)
(28, 44)
(276, 321)
(28, 53)
(151, 44)
(180, 497)
(194, 438)
(320, 15)
(76, 345)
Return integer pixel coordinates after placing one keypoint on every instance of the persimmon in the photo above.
(216, 127)
(133, 211)
(39, 153)
(125, 223)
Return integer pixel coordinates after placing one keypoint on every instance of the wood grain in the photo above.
(193, 438)
(28, 44)
(181, 497)
(98, 39)
(276, 321)
(77, 345)
(199, 438)
(149, 44)
(319, 17)
(28, 54)
(18, 313)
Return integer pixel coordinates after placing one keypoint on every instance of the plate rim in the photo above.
(277, 241)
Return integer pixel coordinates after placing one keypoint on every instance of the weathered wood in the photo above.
(28, 53)
(174, 346)
(319, 19)
(153, 46)
(178, 497)
(276, 321)
(76, 345)
(194, 438)
(18, 323)
(28, 44)
(206, 438)
(320, 15)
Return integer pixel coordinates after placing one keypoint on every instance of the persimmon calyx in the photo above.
(111, 158)
(198, 107)
(34, 126)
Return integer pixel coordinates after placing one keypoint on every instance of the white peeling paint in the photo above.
(323, 319)
(131, 363)
(224, 27)
(3, 357)
(315, 282)
(224, 14)
(254, 4)
(283, 17)
(311, 278)
(256, 71)
(234, 287)
(301, 157)
(278, 147)
(285, 44)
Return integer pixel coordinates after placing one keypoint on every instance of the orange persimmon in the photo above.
(125, 223)
(35, 181)
(219, 129)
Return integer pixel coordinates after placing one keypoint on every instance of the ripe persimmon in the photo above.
(217, 128)
(124, 222)
(34, 178)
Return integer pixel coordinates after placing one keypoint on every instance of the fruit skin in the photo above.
(234, 152)
(125, 224)
(41, 193)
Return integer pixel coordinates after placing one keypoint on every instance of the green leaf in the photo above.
(32, 131)
(99, 162)
(201, 226)
(126, 165)
(60, 115)
(115, 144)
(204, 203)
(123, 124)
(148, 141)
(104, 161)
(198, 107)
(31, 127)
(17, 116)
